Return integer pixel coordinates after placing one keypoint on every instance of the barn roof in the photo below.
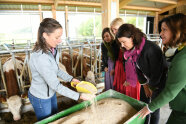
(159, 6)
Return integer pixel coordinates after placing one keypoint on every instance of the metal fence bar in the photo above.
(27, 50)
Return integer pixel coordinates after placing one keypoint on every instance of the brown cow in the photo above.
(14, 100)
(88, 75)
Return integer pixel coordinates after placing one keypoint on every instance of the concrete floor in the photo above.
(164, 114)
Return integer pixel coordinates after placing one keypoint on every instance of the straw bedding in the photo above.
(106, 111)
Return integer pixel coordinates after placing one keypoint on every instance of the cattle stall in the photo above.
(83, 57)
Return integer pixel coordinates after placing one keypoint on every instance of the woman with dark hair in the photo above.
(173, 34)
(168, 51)
(108, 48)
(45, 71)
(144, 62)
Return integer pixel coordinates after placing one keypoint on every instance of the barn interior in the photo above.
(80, 50)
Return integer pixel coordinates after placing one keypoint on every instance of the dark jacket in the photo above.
(104, 56)
(104, 51)
(152, 66)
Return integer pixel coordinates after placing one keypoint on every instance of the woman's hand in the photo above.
(87, 96)
(106, 69)
(148, 91)
(143, 112)
(75, 81)
(112, 72)
(126, 84)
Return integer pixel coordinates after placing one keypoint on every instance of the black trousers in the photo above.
(154, 117)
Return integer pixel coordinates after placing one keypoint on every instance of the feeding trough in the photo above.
(138, 105)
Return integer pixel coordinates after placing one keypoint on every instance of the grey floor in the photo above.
(164, 114)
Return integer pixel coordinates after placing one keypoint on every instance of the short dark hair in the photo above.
(130, 31)
(177, 25)
(48, 25)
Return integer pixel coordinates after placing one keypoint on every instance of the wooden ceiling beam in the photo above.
(167, 8)
(123, 3)
(52, 2)
(141, 8)
(164, 1)
(40, 13)
(56, 3)
(79, 3)
(53, 12)
(28, 1)
(93, 4)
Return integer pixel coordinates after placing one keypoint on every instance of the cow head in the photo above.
(14, 105)
(90, 77)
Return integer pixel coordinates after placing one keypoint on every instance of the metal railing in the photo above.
(94, 48)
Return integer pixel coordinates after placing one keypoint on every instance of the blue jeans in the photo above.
(43, 108)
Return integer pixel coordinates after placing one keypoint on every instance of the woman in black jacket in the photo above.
(108, 48)
(144, 62)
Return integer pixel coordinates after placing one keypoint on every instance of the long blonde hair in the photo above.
(117, 22)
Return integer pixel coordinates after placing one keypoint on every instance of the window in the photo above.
(18, 27)
(84, 24)
(137, 20)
